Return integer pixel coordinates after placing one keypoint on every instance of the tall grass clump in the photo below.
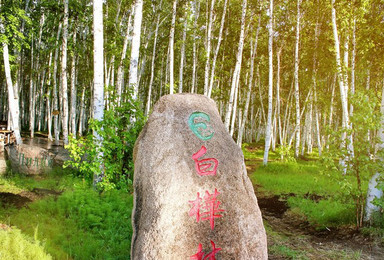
(80, 224)
(16, 246)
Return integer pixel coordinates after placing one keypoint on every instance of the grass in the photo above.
(79, 224)
(17, 246)
(322, 196)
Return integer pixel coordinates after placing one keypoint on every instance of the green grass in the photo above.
(79, 224)
(322, 196)
(15, 245)
(324, 213)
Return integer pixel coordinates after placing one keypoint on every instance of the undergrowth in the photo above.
(79, 224)
(320, 195)
(16, 246)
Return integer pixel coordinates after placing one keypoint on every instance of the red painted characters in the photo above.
(200, 254)
(210, 208)
(207, 166)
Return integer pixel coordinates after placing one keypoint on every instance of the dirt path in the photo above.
(292, 237)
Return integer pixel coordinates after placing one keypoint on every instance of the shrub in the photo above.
(119, 130)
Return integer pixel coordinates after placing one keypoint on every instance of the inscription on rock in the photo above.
(193, 198)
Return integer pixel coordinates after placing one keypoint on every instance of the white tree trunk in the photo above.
(296, 76)
(82, 113)
(149, 97)
(194, 51)
(135, 49)
(73, 90)
(342, 83)
(208, 48)
(252, 61)
(13, 102)
(236, 72)
(182, 54)
(55, 98)
(268, 128)
(31, 97)
(220, 38)
(64, 83)
(98, 76)
(120, 69)
(171, 51)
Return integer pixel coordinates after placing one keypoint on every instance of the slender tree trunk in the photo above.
(31, 96)
(135, 48)
(182, 53)
(252, 61)
(353, 65)
(13, 102)
(148, 107)
(297, 93)
(73, 90)
(120, 69)
(208, 48)
(342, 84)
(268, 128)
(98, 77)
(278, 94)
(171, 51)
(236, 72)
(196, 14)
(220, 38)
(55, 97)
(64, 83)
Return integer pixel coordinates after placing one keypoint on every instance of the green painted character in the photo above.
(21, 159)
(43, 162)
(36, 162)
(28, 161)
(198, 122)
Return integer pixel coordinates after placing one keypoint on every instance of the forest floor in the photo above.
(291, 236)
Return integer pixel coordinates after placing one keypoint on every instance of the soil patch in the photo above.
(13, 200)
(272, 206)
(23, 198)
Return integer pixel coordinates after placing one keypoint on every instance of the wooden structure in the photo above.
(6, 136)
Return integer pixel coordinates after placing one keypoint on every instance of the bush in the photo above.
(119, 130)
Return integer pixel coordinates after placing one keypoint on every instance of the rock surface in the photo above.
(29, 159)
(193, 198)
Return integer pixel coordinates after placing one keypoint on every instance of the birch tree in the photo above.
(296, 76)
(237, 70)
(12, 101)
(268, 129)
(135, 48)
(171, 50)
(64, 81)
(98, 76)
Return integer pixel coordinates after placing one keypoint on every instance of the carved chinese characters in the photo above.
(204, 166)
(199, 124)
(192, 196)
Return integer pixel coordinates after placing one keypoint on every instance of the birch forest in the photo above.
(298, 85)
(283, 71)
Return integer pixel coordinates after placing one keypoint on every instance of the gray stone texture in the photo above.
(166, 180)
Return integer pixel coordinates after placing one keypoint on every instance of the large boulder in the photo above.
(193, 198)
(29, 159)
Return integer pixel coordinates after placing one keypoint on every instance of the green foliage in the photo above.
(362, 163)
(285, 153)
(80, 224)
(298, 178)
(11, 16)
(286, 252)
(323, 213)
(119, 130)
(15, 245)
